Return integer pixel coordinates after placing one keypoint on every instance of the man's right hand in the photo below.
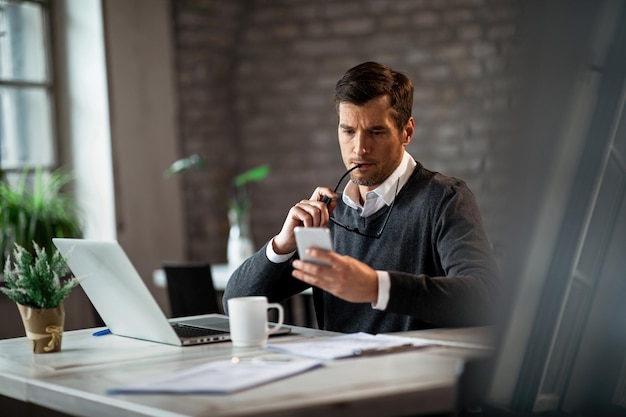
(307, 213)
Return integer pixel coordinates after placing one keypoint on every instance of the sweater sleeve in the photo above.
(464, 291)
(260, 276)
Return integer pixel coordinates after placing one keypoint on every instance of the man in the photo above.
(410, 251)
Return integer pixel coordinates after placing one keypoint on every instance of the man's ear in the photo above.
(409, 130)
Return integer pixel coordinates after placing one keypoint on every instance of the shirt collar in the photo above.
(385, 191)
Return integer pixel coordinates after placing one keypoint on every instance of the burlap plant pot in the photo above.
(44, 327)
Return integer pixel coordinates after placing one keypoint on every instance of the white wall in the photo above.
(143, 133)
(83, 109)
(118, 125)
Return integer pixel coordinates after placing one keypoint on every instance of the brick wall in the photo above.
(255, 84)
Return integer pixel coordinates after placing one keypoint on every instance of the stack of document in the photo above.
(229, 376)
(348, 345)
(221, 377)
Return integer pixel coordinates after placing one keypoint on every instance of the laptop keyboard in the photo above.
(185, 331)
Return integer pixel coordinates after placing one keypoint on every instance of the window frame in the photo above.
(47, 86)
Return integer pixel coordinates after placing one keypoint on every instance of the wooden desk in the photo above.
(76, 379)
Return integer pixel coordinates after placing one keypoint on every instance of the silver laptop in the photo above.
(124, 302)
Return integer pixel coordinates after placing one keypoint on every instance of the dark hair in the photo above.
(369, 80)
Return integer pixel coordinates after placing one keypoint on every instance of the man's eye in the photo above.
(378, 132)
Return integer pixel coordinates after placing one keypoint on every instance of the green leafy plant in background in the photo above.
(240, 201)
(35, 212)
(37, 281)
(240, 244)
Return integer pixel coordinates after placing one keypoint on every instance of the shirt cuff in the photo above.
(384, 287)
(276, 257)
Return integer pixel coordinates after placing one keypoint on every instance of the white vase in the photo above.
(240, 246)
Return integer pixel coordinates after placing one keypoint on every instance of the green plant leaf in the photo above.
(254, 174)
(194, 161)
(37, 281)
(37, 211)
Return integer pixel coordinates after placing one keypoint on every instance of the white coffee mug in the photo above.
(248, 320)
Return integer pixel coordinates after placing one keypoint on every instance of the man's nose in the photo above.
(360, 144)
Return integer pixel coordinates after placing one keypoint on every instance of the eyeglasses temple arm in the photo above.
(325, 199)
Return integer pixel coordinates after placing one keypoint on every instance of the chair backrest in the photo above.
(190, 288)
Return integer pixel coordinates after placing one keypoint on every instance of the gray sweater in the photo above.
(442, 269)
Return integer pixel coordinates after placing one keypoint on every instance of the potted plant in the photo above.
(240, 244)
(38, 285)
(37, 211)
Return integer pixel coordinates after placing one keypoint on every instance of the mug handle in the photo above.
(281, 317)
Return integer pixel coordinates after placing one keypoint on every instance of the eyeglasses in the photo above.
(356, 229)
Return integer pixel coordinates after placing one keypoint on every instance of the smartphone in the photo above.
(312, 237)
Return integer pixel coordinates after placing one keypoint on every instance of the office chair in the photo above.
(190, 289)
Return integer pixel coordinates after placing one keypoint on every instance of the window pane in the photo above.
(25, 128)
(22, 46)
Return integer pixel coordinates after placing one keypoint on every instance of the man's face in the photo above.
(368, 135)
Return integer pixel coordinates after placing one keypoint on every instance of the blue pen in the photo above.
(102, 332)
